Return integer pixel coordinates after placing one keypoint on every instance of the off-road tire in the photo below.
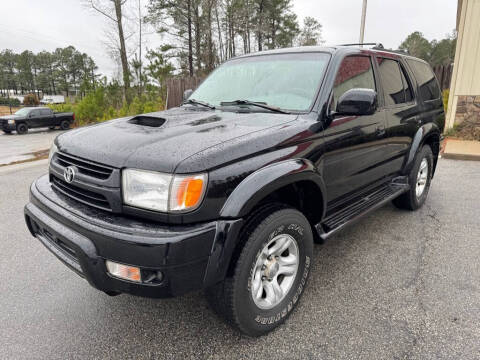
(232, 298)
(22, 129)
(409, 200)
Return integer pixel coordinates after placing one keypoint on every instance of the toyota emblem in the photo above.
(69, 174)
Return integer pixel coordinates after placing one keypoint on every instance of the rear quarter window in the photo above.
(427, 82)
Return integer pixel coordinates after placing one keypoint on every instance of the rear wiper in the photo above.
(254, 103)
(198, 102)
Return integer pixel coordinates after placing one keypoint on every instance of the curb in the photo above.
(458, 149)
(458, 156)
(24, 165)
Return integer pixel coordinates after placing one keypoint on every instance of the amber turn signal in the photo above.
(187, 192)
(124, 272)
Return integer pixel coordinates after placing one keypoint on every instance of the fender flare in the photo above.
(423, 133)
(266, 180)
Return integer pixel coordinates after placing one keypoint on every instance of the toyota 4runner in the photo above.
(272, 152)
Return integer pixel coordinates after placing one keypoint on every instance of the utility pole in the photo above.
(362, 23)
(140, 47)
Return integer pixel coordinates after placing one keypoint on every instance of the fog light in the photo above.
(124, 271)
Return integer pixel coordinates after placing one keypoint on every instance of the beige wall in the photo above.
(466, 71)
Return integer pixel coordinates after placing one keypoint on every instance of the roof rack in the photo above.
(379, 46)
(399, 51)
(376, 45)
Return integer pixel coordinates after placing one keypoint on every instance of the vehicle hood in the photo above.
(138, 142)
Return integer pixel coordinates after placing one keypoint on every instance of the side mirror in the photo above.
(357, 102)
(187, 93)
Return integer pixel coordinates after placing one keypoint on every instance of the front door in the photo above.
(34, 119)
(354, 145)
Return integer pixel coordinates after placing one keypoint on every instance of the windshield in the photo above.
(286, 81)
(22, 112)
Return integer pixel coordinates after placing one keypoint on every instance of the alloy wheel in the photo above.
(275, 270)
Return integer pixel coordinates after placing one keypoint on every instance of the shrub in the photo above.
(103, 104)
(31, 100)
(9, 101)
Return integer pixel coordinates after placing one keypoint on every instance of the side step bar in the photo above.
(361, 206)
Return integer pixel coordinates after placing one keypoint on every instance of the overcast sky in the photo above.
(47, 24)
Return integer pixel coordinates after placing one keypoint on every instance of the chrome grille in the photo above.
(85, 167)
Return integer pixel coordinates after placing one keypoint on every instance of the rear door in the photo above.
(47, 117)
(354, 145)
(429, 91)
(401, 109)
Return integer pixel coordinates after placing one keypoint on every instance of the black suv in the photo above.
(229, 191)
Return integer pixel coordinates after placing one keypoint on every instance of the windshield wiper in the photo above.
(254, 103)
(198, 102)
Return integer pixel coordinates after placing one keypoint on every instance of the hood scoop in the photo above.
(150, 121)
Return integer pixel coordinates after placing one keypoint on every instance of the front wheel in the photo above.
(7, 131)
(269, 275)
(22, 129)
(419, 179)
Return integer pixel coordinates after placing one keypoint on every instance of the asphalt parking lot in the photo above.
(14, 147)
(396, 285)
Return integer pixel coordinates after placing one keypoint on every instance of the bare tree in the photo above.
(112, 10)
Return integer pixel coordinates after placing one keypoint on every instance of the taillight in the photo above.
(73, 116)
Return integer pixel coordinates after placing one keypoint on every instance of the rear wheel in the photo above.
(270, 273)
(22, 129)
(419, 179)
(65, 125)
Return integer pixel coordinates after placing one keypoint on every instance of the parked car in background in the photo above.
(35, 117)
(229, 191)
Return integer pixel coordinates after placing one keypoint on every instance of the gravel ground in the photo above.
(396, 285)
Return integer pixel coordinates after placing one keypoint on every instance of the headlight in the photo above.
(162, 192)
(53, 150)
(11, 121)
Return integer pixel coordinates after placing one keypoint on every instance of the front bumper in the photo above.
(4, 125)
(190, 257)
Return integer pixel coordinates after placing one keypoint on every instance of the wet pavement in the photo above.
(396, 285)
(15, 148)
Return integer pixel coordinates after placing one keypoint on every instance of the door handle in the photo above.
(380, 131)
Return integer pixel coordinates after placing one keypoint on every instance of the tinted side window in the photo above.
(34, 113)
(46, 112)
(354, 72)
(406, 86)
(427, 83)
(391, 81)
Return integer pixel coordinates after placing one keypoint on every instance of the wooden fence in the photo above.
(444, 75)
(176, 87)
